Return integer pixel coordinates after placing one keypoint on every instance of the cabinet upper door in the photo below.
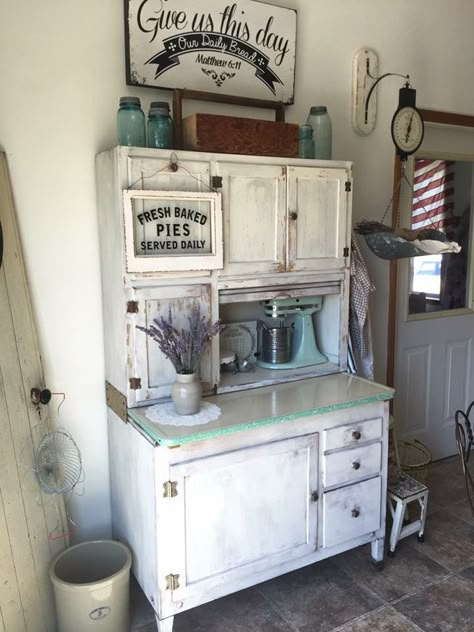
(240, 513)
(318, 222)
(254, 209)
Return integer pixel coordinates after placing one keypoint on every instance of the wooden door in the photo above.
(254, 211)
(150, 374)
(27, 518)
(240, 513)
(318, 219)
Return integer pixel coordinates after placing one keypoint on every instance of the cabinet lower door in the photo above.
(317, 219)
(240, 513)
(254, 211)
(150, 374)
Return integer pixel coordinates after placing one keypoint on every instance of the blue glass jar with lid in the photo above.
(160, 129)
(131, 127)
(320, 121)
(305, 142)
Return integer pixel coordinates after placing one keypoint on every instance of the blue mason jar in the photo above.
(160, 129)
(305, 142)
(319, 120)
(131, 128)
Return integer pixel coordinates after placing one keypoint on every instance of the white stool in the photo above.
(401, 491)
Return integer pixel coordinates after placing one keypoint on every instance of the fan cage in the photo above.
(58, 463)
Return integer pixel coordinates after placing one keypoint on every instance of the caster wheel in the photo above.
(421, 538)
(391, 553)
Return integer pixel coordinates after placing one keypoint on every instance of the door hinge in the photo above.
(346, 252)
(135, 383)
(132, 307)
(348, 185)
(170, 489)
(172, 582)
(216, 182)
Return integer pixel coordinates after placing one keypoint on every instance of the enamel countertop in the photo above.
(244, 410)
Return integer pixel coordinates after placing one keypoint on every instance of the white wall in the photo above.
(62, 72)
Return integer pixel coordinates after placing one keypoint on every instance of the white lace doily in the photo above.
(165, 414)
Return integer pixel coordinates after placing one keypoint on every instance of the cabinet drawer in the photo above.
(351, 511)
(348, 465)
(351, 435)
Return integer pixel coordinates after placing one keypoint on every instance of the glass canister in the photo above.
(320, 121)
(305, 142)
(160, 129)
(131, 128)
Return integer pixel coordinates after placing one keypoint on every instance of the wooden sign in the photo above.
(172, 231)
(245, 48)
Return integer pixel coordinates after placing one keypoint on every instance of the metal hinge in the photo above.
(135, 383)
(170, 489)
(346, 252)
(348, 185)
(132, 307)
(216, 182)
(172, 582)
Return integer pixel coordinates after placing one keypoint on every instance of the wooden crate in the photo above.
(234, 135)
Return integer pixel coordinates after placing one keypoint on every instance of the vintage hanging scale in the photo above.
(407, 124)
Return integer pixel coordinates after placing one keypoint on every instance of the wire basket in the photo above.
(415, 458)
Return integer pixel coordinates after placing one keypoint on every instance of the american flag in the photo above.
(433, 194)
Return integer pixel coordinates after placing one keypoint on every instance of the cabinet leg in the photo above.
(377, 550)
(164, 625)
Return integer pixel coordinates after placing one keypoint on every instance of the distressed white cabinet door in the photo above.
(317, 219)
(254, 210)
(240, 513)
(152, 173)
(154, 374)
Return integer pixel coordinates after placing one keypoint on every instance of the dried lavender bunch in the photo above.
(184, 347)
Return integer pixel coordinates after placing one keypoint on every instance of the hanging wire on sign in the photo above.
(464, 442)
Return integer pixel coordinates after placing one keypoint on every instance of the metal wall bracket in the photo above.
(116, 401)
(364, 75)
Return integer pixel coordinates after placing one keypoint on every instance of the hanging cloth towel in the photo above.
(360, 288)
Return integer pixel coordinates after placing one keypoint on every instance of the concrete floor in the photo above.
(426, 587)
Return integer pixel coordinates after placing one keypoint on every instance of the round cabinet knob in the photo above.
(355, 513)
(315, 497)
(356, 435)
(293, 215)
(356, 465)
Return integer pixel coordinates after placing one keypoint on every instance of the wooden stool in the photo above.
(401, 491)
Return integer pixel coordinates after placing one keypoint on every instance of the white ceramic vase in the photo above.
(186, 394)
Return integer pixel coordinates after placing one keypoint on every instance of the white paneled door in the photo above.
(434, 372)
(27, 518)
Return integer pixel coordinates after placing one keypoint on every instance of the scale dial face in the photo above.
(407, 130)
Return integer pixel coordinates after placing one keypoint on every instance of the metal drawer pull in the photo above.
(356, 435)
(356, 465)
(293, 216)
(355, 513)
(315, 497)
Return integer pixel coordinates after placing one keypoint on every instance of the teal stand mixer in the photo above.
(289, 347)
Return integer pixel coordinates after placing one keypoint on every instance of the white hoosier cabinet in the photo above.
(294, 470)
